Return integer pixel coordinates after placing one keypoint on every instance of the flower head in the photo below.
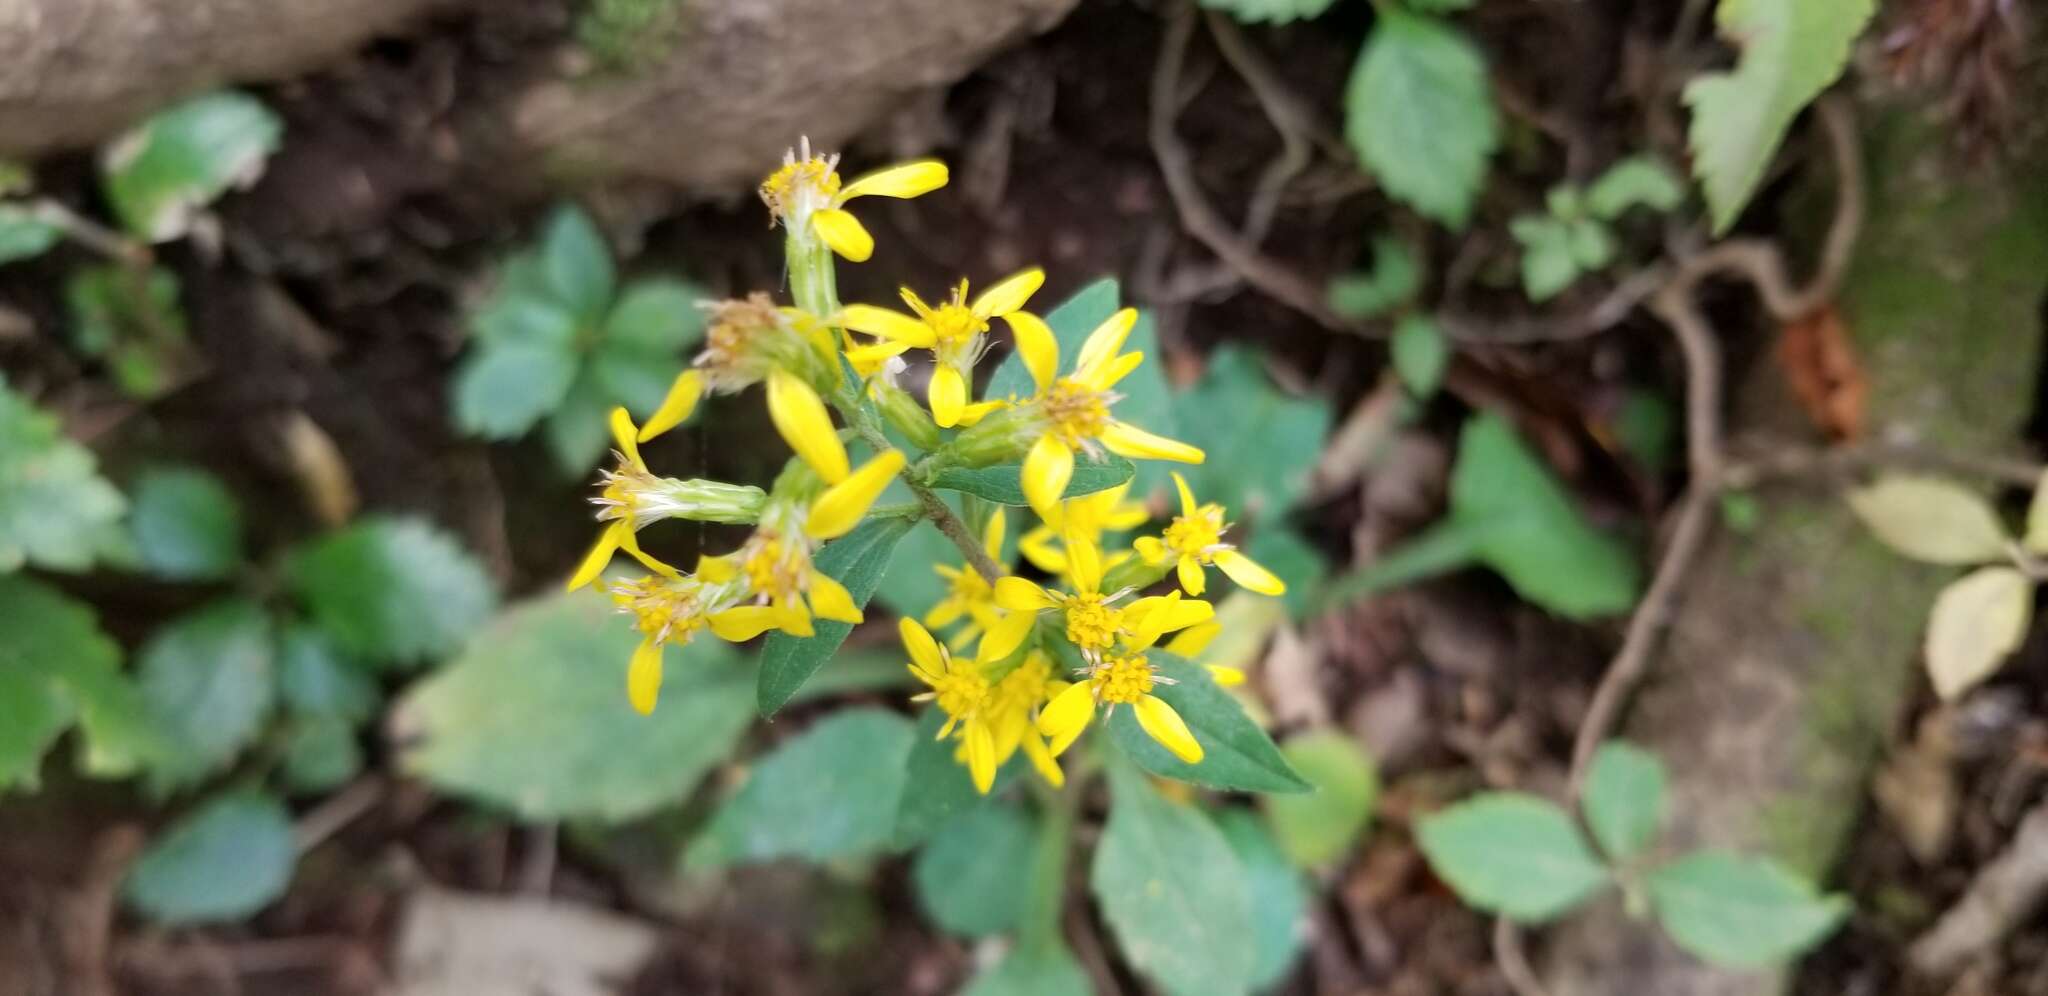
(1123, 677)
(747, 339)
(619, 503)
(1089, 517)
(1094, 620)
(1194, 540)
(959, 688)
(969, 596)
(665, 609)
(956, 331)
(807, 197)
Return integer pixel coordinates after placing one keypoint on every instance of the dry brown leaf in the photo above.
(1821, 366)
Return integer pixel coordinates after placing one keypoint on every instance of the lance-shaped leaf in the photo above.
(858, 560)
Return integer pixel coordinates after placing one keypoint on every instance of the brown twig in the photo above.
(1514, 963)
(2002, 895)
(341, 809)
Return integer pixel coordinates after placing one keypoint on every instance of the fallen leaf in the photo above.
(452, 944)
(1821, 366)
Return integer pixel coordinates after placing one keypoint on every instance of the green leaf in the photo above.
(1440, 6)
(131, 320)
(1513, 854)
(577, 263)
(1420, 114)
(321, 756)
(973, 876)
(24, 234)
(224, 861)
(577, 434)
(392, 590)
(1237, 754)
(518, 317)
(829, 792)
(1003, 483)
(1173, 892)
(176, 163)
(55, 510)
(42, 635)
(1070, 322)
(1320, 827)
(1624, 801)
(1279, 897)
(656, 316)
(317, 679)
(500, 391)
(634, 377)
(1421, 353)
(857, 560)
(1592, 245)
(1270, 11)
(533, 716)
(1042, 967)
(187, 526)
(1283, 551)
(1395, 277)
(1261, 443)
(209, 678)
(1790, 53)
(1638, 181)
(937, 791)
(1740, 911)
(1548, 263)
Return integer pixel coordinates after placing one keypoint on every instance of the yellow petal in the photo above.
(992, 534)
(1192, 580)
(981, 756)
(1042, 759)
(643, 677)
(844, 233)
(1193, 640)
(791, 617)
(1105, 375)
(600, 555)
(1248, 574)
(1047, 469)
(919, 176)
(830, 600)
(1150, 548)
(627, 435)
(1226, 676)
(975, 412)
(1036, 346)
(801, 418)
(843, 505)
(1084, 563)
(868, 359)
(1165, 726)
(1037, 547)
(1125, 439)
(924, 651)
(1009, 294)
(1107, 338)
(1188, 506)
(945, 614)
(1019, 595)
(948, 395)
(1006, 636)
(716, 570)
(1066, 716)
(892, 325)
(676, 406)
(742, 623)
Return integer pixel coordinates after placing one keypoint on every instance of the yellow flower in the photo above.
(784, 589)
(664, 609)
(1072, 413)
(800, 416)
(1088, 516)
(1190, 643)
(805, 195)
(1193, 540)
(969, 596)
(958, 688)
(1012, 708)
(956, 332)
(1094, 622)
(747, 340)
(620, 493)
(1122, 678)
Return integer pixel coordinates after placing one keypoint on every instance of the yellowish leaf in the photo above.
(1930, 519)
(1976, 622)
(2037, 518)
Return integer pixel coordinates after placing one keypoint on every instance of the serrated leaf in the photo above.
(1395, 276)
(224, 861)
(937, 790)
(502, 390)
(523, 318)
(1172, 891)
(1321, 826)
(392, 590)
(1638, 181)
(1930, 519)
(1624, 798)
(1976, 623)
(186, 524)
(321, 755)
(577, 434)
(1261, 443)
(1740, 911)
(1003, 483)
(1279, 896)
(24, 234)
(1237, 754)
(1513, 854)
(577, 263)
(829, 792)
(55, 510)
(159, 176)
(858, 561)
(533, 716)
(974, 875)
(656, 316)
(1419, 112)
(1548, 263)
(1270, 11)
(1421, 353)
(315, 678)
(1791, 51)
(209, 678)
(43, 635)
